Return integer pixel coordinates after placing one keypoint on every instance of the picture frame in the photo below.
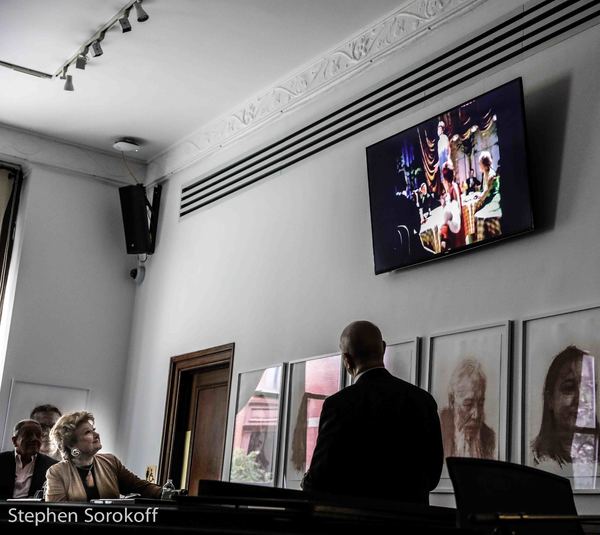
(560, 394)
(324, 375)
(403, 360)
(257, 426)
(468, 374)
(26, 395)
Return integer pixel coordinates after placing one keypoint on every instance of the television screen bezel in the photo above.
(483, 243)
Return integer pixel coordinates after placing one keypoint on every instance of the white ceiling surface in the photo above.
(193, 61)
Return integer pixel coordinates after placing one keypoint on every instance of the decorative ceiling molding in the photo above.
(411, 21)
(22, 146)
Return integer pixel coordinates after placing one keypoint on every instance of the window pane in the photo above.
(256, 427)
(311, 382)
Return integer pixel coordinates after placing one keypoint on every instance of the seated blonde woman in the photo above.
(84, 474)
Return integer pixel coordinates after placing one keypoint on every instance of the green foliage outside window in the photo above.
(246, 469)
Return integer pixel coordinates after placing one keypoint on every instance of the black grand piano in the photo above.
(230, 508)
(493, 497)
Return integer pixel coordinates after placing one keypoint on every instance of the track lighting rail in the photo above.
(80, 58)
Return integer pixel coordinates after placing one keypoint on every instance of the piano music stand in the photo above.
(492, 491)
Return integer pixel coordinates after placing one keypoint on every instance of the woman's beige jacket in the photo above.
(112, 479)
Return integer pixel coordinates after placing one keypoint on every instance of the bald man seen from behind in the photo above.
(380, 437)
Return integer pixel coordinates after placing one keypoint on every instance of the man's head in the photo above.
(27, 438)
(46, 416)
(466, 397)
(362, 347)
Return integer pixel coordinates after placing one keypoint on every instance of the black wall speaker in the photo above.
(140, 230)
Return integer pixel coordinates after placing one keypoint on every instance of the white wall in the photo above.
(281, 267)
(73, 300)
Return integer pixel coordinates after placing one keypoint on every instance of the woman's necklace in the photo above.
(89, 478)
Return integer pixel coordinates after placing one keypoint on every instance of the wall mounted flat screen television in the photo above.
(454, 182)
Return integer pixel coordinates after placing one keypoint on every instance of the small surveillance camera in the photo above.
(137, 274)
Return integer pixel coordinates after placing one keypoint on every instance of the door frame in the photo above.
(180, 366)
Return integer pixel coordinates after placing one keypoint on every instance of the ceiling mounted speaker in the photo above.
(140, 219)
(126, 145)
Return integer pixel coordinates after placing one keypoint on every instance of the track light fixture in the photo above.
(69, 83)
(96, 48)
(81, 58)
(124, 21)
(142, 16)
(69, 80)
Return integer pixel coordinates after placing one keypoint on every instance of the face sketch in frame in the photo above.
(464, 431)
(569, 432)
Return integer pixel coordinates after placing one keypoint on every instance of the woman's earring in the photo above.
(75, 452)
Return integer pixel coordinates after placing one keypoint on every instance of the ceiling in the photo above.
(193, 61)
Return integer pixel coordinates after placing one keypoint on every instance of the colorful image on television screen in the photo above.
(453, 182)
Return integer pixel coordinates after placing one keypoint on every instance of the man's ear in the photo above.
(14, 441)
(348, 363)
(384, 345)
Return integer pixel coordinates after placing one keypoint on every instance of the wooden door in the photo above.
(207, 424)
(193, 441)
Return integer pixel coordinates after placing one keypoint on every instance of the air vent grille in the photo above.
(507, 41)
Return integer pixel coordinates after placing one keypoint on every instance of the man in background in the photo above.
(464, 430)
(379, 437)
(473, 184)
(23, 470)
(47, 416)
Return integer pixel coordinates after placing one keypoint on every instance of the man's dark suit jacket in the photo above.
(378, 438)
(8, 468)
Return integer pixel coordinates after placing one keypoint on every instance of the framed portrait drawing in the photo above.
(561, 433)
(257, 426)
(468, 374)
(310, 381)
